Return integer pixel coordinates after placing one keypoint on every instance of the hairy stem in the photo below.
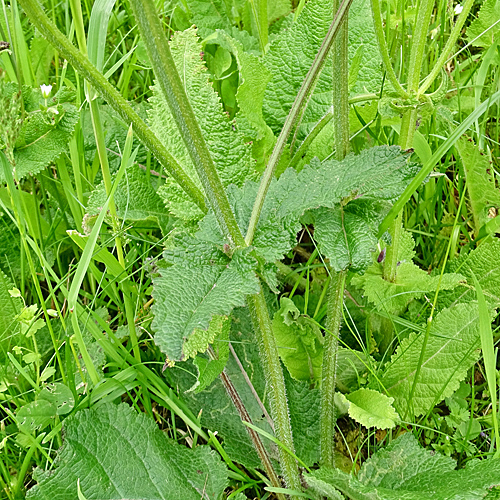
(294, 114)
(336, 287)
(172, 87)
(112, 96)
(329, 369)
(276, 382)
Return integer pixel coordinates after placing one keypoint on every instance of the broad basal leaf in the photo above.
(209, 16)
(291, 55)
(232, 157)
(371, 408)
(484, 262)
(113, 452)
(299, 341)
(135, 199)
(405, 471)
(483, 194)
(481, 32)
(452, 348)
(201, 283)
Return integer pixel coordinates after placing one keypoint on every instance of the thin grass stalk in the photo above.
(38, 17)
(384, 52)
(294, 115)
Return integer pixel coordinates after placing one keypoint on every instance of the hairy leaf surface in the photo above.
(480, 27)
(292, 53)
(232, 157)
(451, 350)
(201, 283)
(484, 262)
(116, 453)
(483, 193)
(405, 471)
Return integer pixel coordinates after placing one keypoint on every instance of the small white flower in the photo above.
(458, 9)
(46, 90)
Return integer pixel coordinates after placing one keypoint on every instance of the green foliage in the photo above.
(136, 201)
(411, 281)
(201, 283)
(116, 453)
(404, 471)
(347, 235)
(483, 193)
(299, 341)
(480, 27)
(485, 264)
(371, 408)
(450, 351)
(290, 56)
(232, 157)
(44, 132)
(10, 307)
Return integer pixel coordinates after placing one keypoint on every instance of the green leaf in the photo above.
(202, 283)
(347, 236)
(488, 14)
(405, 471)
(299, 341)
(371, 408)
(230, 153)
(45, 131)
(209, 16)
(379, 173)
(451, 350)
(483, 194)
(292, 53)
(136, 201)
(116, 453)
(210, 369)
(58, 395)
(36, 415)
(254, 77)
(10, 307)
(484, 262)
(411, 281)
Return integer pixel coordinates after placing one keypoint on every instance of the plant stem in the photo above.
(336, 287)
(329, 370)
(294, 114)
(384, 52)
(172, 87)
(272, 368)
(455, 33)
(113, 97)
(244, 415)
(259, 10)
(391, 258)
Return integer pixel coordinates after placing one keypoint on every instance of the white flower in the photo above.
(46, 90)
(458, 9)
